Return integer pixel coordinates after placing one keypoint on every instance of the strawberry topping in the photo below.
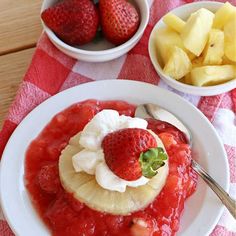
(48, 178)
(159, 126)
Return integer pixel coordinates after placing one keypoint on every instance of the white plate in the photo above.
(202, 210)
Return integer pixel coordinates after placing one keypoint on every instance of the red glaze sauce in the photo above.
(66, 216)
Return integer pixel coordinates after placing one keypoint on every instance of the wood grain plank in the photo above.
(12, 69)
(20, 24)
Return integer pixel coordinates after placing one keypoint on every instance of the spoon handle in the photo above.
(220, 192)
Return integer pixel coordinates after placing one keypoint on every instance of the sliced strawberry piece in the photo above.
(168, 140)
(114, 223)
(48, 178)
(159, 127)
(60, 213)
(81, 227)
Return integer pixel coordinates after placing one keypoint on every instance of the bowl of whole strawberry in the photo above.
(95, 30)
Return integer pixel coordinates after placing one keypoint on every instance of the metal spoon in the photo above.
(156, 112)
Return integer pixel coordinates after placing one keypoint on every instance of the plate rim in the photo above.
(104, 83)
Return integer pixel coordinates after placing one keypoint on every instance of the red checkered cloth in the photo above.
(51, 72)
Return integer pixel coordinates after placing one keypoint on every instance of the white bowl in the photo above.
(184, 12)
(103, 50)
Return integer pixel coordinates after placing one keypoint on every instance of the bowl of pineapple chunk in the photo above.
(193, 48)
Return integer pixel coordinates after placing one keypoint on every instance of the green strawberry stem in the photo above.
(151, 161)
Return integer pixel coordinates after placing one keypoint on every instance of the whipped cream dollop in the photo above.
(91, 158)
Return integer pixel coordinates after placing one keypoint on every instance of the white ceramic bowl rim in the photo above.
(233, 81)
(188, 87)
(142, 27)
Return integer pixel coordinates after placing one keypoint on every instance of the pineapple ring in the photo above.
(85, 188)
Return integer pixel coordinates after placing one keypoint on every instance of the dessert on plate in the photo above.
(97, 170)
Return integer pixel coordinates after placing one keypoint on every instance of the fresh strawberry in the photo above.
(132, 152)
(74, 21)
(48, 178)
(119, 20)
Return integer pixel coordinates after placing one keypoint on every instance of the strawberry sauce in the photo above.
(66, 216)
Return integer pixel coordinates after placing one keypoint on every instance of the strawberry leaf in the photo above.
(151, 160)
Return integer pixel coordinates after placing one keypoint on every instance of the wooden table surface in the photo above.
(20, 29)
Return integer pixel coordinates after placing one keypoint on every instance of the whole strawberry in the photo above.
(119, 20)
(74, 21)
(132, 152)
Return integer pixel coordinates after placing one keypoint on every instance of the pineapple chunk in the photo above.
(230, 38)
(187, 79)
(226, 61)
(211, 75)
(214, 50)
(223, 15)
(195, 32)
(174, 22)
(197, 62)
(166, 39)
(190, 55)
(178, 65)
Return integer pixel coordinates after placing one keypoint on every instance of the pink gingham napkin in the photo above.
(51, 72)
